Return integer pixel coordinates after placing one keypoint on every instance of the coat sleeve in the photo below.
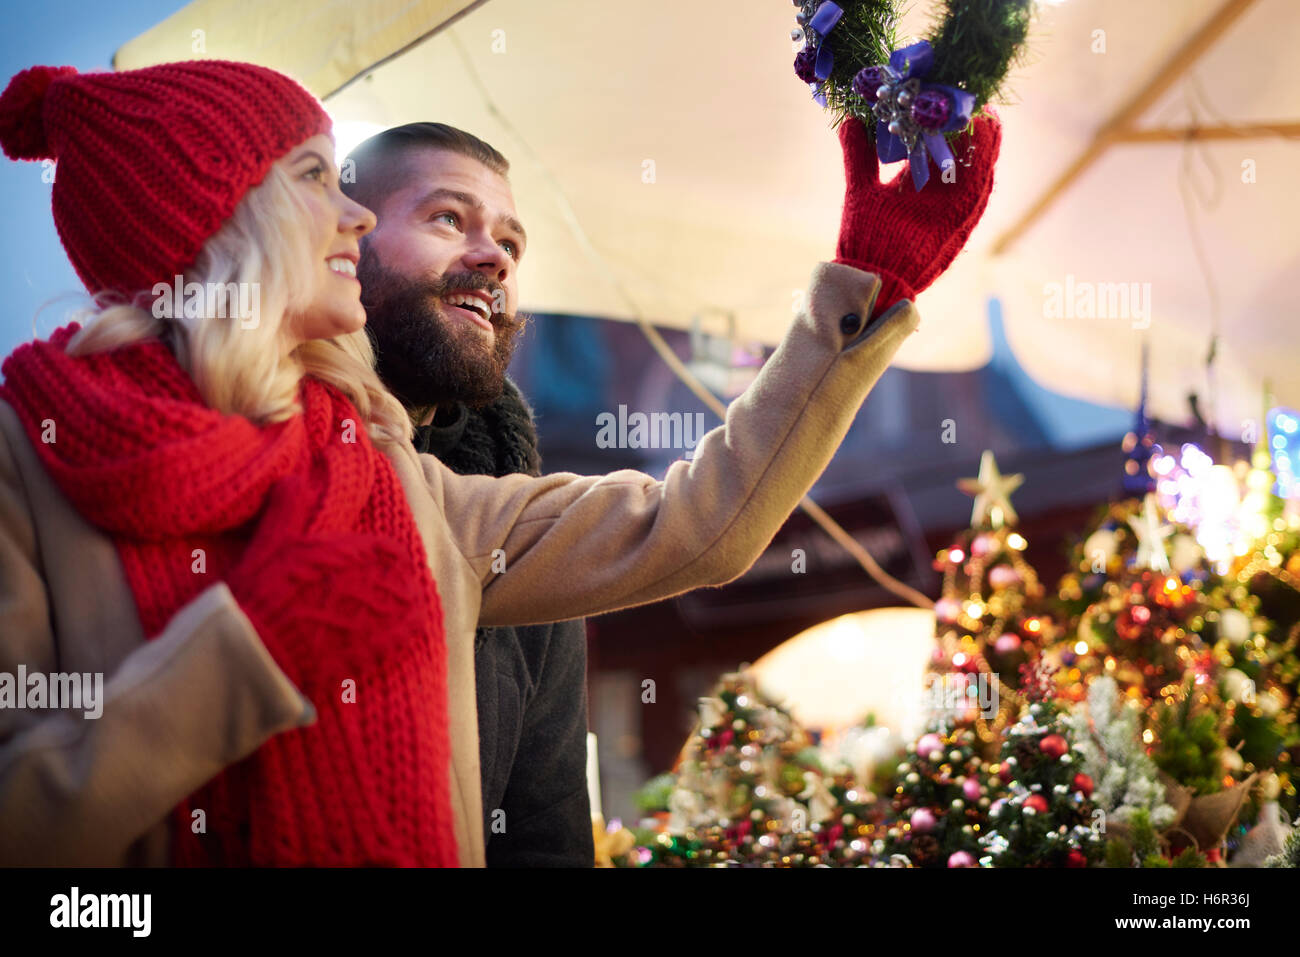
(79, 790)
(564, 546)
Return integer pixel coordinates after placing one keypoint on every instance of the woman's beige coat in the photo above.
(206, 693)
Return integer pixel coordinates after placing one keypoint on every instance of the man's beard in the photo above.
(426, 357)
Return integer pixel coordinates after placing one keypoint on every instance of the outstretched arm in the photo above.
(577, 545)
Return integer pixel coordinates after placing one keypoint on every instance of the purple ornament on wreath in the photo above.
(868, 80)
(931, 108)
(805, 64)
(813, 64)
(912, 116)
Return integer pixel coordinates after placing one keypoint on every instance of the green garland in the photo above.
(975, 43)
(865, 35)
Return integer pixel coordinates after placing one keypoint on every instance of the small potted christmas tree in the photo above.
(941, 802)
(1047, 818)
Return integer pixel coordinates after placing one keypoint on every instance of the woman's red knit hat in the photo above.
(152, 161)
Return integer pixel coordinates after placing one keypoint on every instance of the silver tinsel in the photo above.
(894, 109)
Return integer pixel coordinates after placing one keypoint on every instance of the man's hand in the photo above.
(909, 238)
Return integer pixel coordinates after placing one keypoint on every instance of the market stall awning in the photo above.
(668, 163)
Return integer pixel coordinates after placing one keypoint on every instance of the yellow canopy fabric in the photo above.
(322, 45)
(708, 183)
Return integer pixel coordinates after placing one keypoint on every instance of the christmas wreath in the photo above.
(921, 94)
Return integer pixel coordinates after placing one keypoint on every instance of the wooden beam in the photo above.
(1244, 131)
(1122, 122)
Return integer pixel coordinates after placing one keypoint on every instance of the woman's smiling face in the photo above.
(335, 227)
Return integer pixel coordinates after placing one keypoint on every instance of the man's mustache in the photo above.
(442, 287)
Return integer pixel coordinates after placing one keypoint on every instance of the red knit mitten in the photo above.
(327, 606)
(908, 238)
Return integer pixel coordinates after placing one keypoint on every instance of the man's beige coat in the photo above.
(206, 693)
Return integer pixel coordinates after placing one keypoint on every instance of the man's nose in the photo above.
(487, 256)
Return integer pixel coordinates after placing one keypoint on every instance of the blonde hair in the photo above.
(241, 369)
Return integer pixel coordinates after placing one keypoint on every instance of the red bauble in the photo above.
(1076, 858)
(1133, 622)
(1037, 802)
(1083, 784)
(1053, 745)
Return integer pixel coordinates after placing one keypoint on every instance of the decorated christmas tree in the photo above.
(990, 618)
(1046, 818)
(1256, 612)
(751, 789)
(1143, 628)
(940, 804)
(1176, 692)
(1255, 683)
(1164, 594)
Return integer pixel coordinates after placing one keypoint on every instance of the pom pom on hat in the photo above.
(22, 112)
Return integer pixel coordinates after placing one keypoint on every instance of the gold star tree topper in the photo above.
(992, 491)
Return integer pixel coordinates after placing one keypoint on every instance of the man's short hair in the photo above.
(374, 161)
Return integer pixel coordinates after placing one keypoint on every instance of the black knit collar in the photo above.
(437, 439)
(496, 439)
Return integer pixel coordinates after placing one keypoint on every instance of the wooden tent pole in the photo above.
(1244, 131)
(1121, 123)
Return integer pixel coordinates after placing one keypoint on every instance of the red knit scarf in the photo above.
(127, 438)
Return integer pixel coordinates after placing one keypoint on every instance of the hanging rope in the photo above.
(1208, 200)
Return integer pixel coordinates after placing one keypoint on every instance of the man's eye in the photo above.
(514, 250)
(317, 172)
(450, 215)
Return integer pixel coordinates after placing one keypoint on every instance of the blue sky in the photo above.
(33, 266)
